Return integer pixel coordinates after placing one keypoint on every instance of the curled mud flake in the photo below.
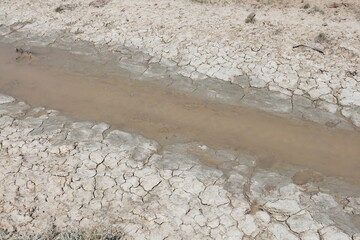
(306, 176)
(283, 206)
(6, 99)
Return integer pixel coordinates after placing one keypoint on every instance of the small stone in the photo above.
(250, 18)
(321, 38)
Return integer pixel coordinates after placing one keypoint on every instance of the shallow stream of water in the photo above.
(89, 92)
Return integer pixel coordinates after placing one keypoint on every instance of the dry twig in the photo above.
(313, 48)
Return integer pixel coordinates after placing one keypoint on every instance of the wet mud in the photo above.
(89, 92)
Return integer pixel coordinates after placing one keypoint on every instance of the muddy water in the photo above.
(170, 117)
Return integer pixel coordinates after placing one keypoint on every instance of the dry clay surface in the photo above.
(58, 176)
(213, 41)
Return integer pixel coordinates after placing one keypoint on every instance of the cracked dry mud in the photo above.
(61, 176)
(205, 42)
(57, 173)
